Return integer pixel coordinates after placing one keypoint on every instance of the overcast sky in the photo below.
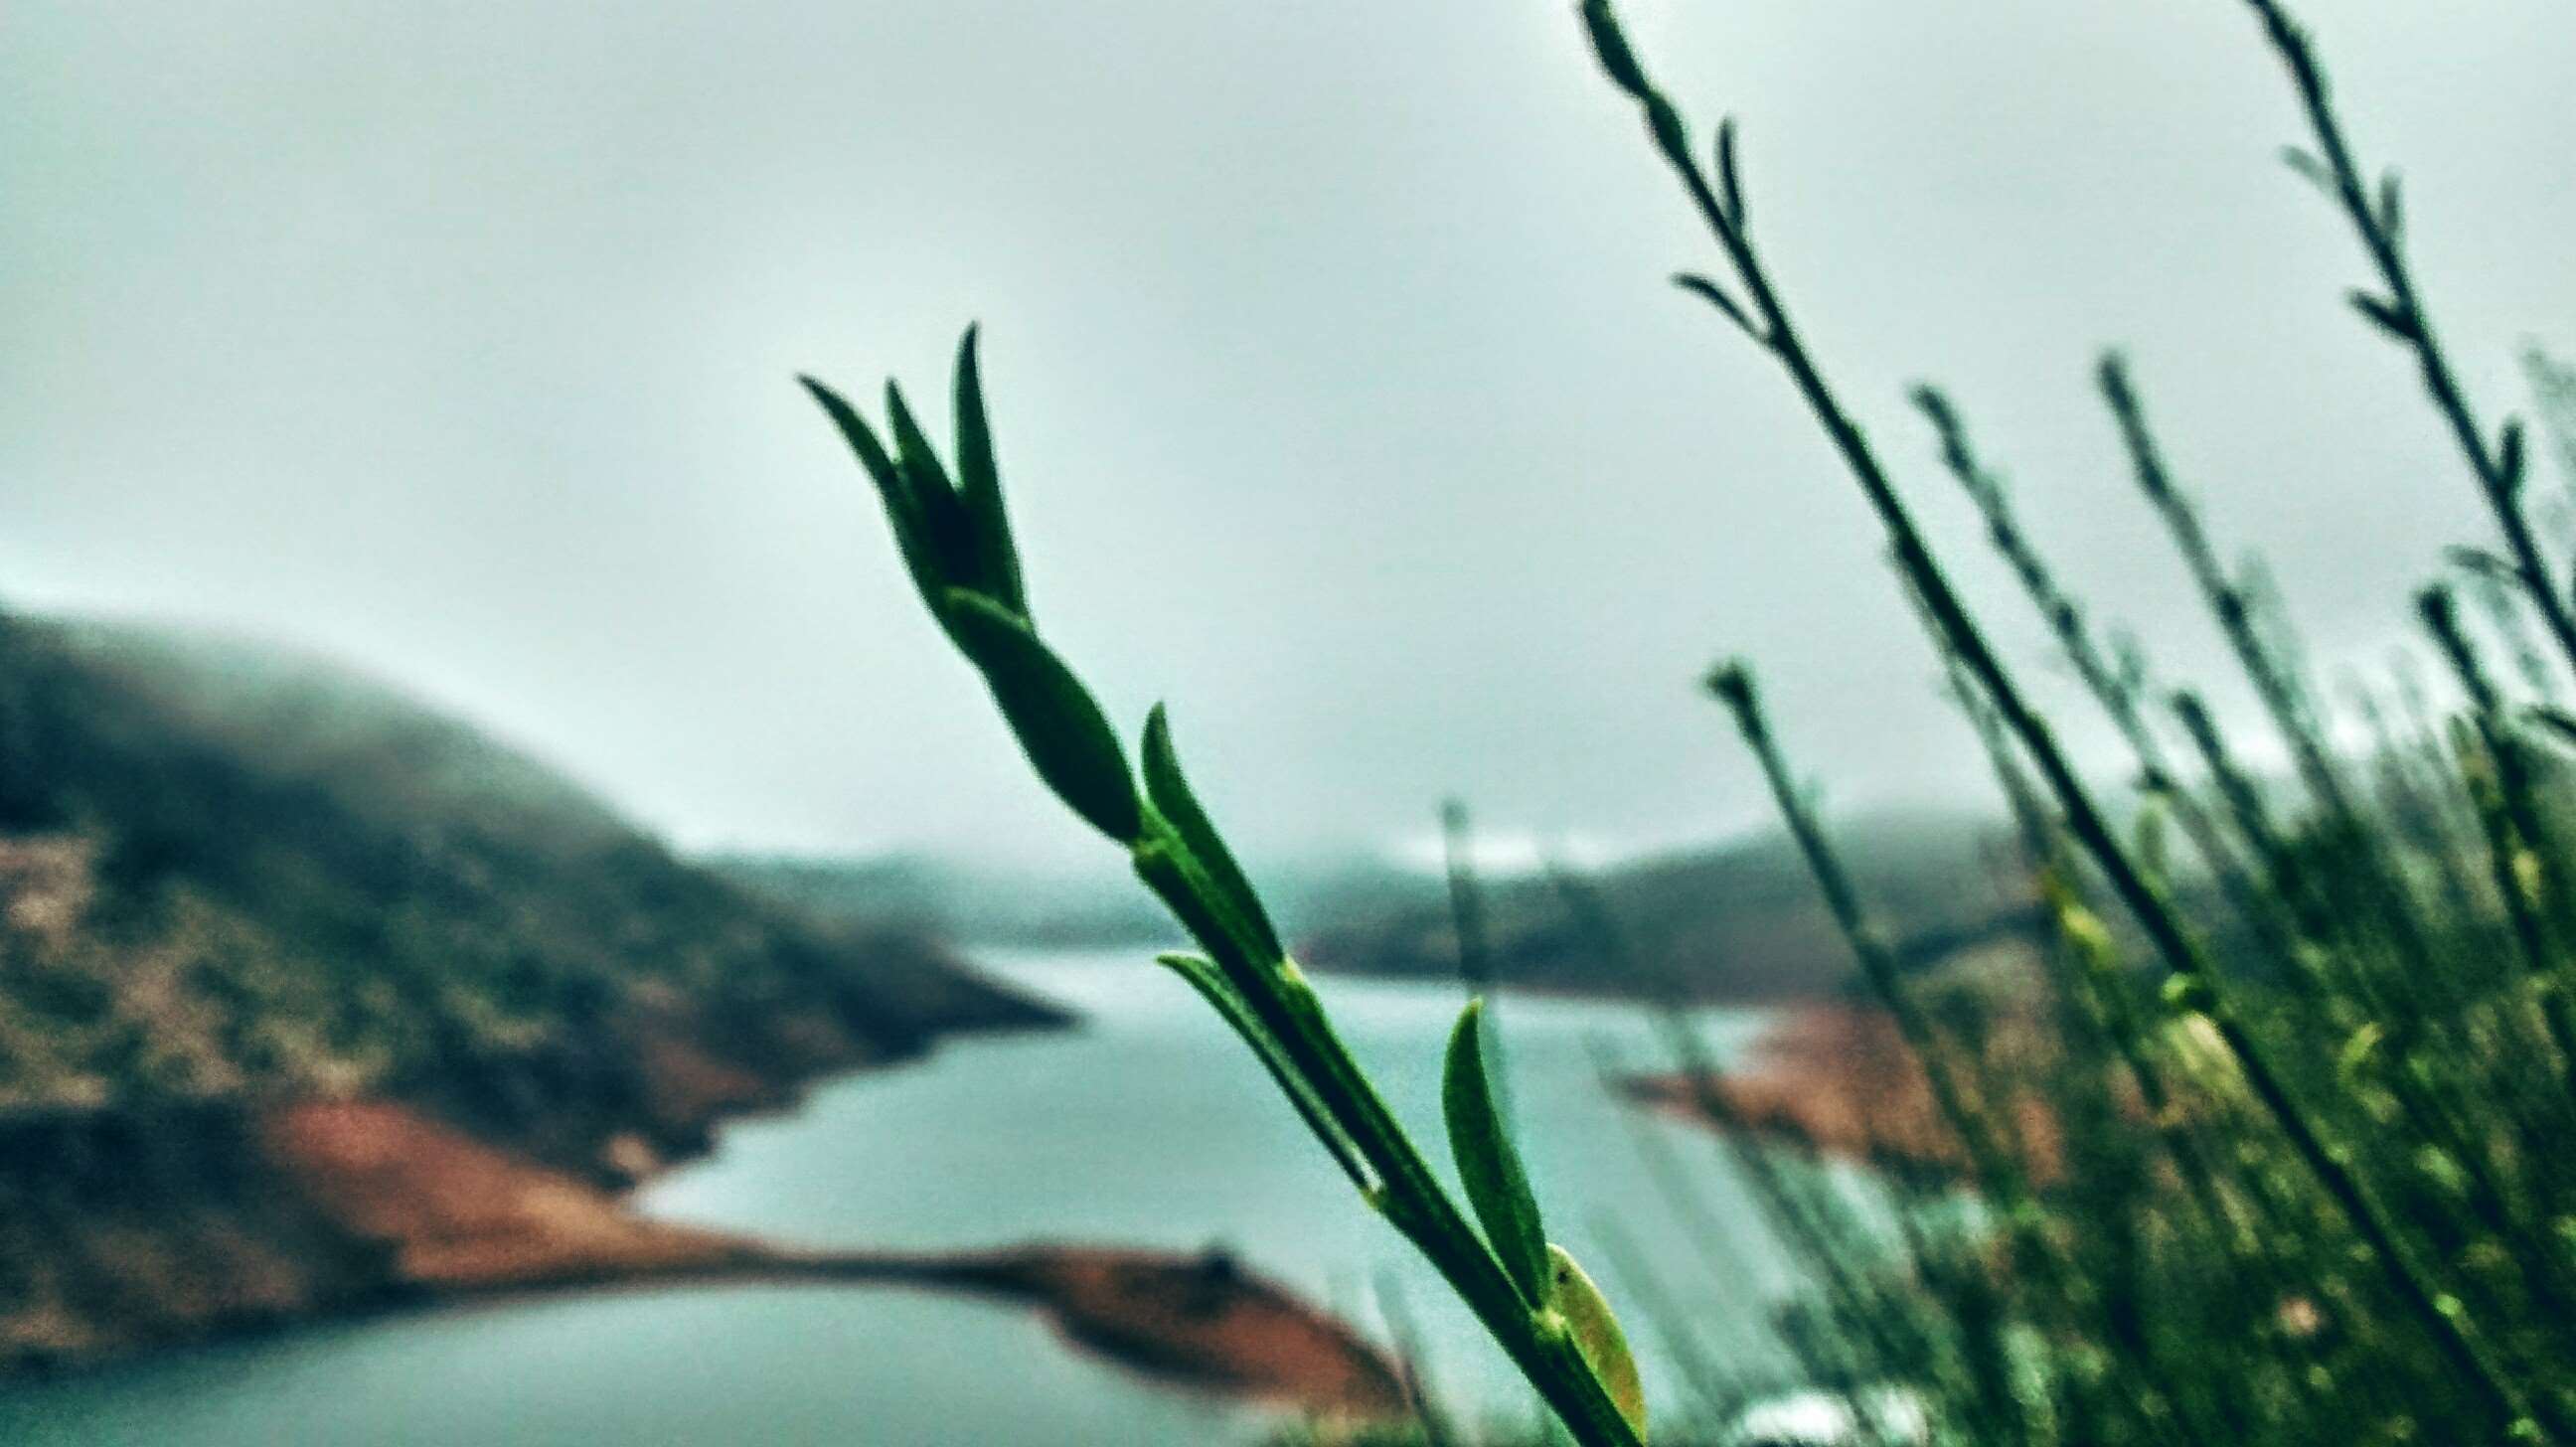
(1338, 384)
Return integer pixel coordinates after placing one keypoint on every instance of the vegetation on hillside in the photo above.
(2268, 1139)
(1737, 923)
(995, 903)
(242, 892)
(235, 872)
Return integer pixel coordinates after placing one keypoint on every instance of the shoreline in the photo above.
(452, 1221)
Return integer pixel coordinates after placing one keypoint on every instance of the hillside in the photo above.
(1099, 908)
(234, 883)
(1739, 922)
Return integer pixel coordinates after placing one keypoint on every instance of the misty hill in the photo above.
(234, 881)
(1739, 921)
(248, 870)
(967, 902)
(1100, 908)
(1736, 922)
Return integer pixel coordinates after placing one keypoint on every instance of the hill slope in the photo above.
(234, 882)
(1740, 922)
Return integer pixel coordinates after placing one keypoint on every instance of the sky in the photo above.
(1339, 388)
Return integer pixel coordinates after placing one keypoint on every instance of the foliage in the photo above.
(2267, 1143)
(2323, 1196)
(235, 875)
(954, 537)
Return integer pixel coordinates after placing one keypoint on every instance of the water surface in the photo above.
(1149, 1126)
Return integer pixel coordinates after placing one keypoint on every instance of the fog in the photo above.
(1338, 384)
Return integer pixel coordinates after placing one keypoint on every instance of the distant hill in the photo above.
(1738, 922)
(969, 903)
(1103, 908)
(233, 880)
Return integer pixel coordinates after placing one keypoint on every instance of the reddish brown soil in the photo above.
(1838, 1080)
(465, 1219)
(462, 1215)
(1202, 1321)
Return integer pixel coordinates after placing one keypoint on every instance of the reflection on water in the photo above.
(1149, 1126)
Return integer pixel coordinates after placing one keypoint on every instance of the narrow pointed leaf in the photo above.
(2309, 167)
(2384, 314)
(2510, 457)
(2560, 724)
(894, 489)
(1487, 1162)
(2392, 208)
(2129, 661)
(1210, 982)
(1664, 122)
(2483, 563)
(1059, 725)
(1596, 1331)
(1610, 44)
(1170, 790)
(1715, 295)
(949, 530)
(2150, 847)
(979, 485)
(1730, 182)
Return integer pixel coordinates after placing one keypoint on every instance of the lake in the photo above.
(1147, 1126)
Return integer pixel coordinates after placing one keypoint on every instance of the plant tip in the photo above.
(1731, 681)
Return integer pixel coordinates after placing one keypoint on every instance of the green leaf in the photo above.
(2484, 564)
(2188, 995)
(1210, 982)
(2385, 314)
(979, 485)
(894, 489)
(1730, 680)
(949, 530)
(1596, 1332)
(2151, 851)
(2311, 169)
(2557, 721)
(1610, 44)
(1664, 123)
(1729, 176)
(1170, 790)
(1716, 296)
(1058, 723)
(2509, 456)
(1487, 1162)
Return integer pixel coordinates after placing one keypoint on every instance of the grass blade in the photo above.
(1170, 790)
(1058, 723)
(1497, 1186)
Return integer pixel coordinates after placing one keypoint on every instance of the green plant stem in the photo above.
(2116, 1017)
(2116, 693)
(1475, 953)
(1994, 1168)
(1792, 1222)
(1407, 1193)
(1768, 323)
(2279, 686)
(954, 538)
(2381, 232)
(2514, 834)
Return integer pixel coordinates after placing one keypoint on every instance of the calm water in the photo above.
(1149, 1126)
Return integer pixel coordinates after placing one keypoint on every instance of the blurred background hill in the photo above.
(235, 881)
(1735, 922)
